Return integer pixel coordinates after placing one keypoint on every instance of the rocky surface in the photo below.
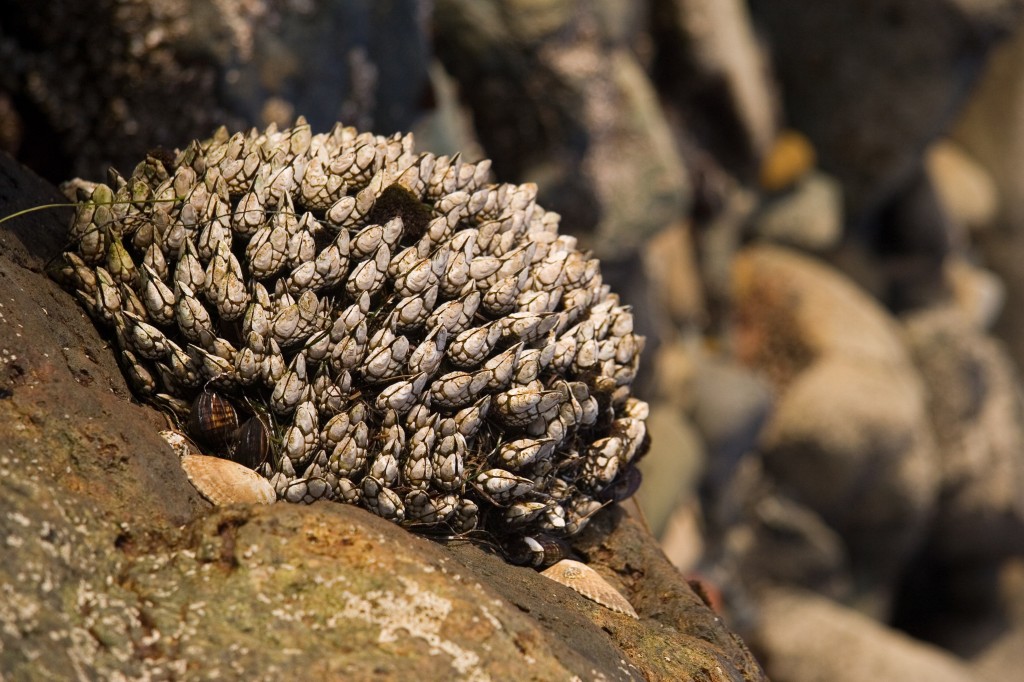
(560, 100)
(812, 639)
(804, 397)
(871, 85)
(92, 82)
(115, 565)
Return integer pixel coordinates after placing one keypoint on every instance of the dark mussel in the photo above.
(213, 419)
(623, 487)
(251, 442)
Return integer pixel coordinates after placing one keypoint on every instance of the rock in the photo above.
(975, 407)
(850, 436)
(675, 365)
(809, 217)
(731, 407)
(707, 649)
(671, 468)
(991, 131)
(783, 543)
(97, 83)
(965, 188)
(852, 441)
(1003, 659)
(790, 158)
(682, 540)
(978, 294)
(720, 240)
(914, 238)
(448, 129)
(559, 103)
(871, 85)
(116, 567)
(670, 262)
(711, 67)
(791, 309)
(805, 638)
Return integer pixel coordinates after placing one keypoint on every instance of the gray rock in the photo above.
(783, 543)
(711, 67)
(731, 406)
(872, 84)
(809, 217)
(671, 468)
(557, 102)
(805, 638)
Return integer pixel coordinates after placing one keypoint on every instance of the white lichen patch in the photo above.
(420, 614)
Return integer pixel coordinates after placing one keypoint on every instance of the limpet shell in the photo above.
(590, 584)
(223, 482)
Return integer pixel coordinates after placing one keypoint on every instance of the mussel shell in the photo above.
(213, 419)
(536, 550)
(623, 487)
(251, 443)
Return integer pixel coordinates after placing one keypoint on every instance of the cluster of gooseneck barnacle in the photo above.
(362, 323)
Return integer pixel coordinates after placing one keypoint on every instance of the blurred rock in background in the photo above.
(816, 210)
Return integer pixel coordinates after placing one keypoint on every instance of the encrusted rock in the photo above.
(415, 338)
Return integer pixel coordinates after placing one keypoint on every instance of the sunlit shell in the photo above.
(224, 482)
(590, 584)
(177, 441)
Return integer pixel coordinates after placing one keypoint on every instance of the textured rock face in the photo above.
(93, 81)
(102, 579)
(560, 99)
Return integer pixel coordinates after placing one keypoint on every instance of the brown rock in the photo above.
(964, 186)
(850, 436)
(852, 441)
(805, 638)
(670, 261)
(792, 309)
(975, 406)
